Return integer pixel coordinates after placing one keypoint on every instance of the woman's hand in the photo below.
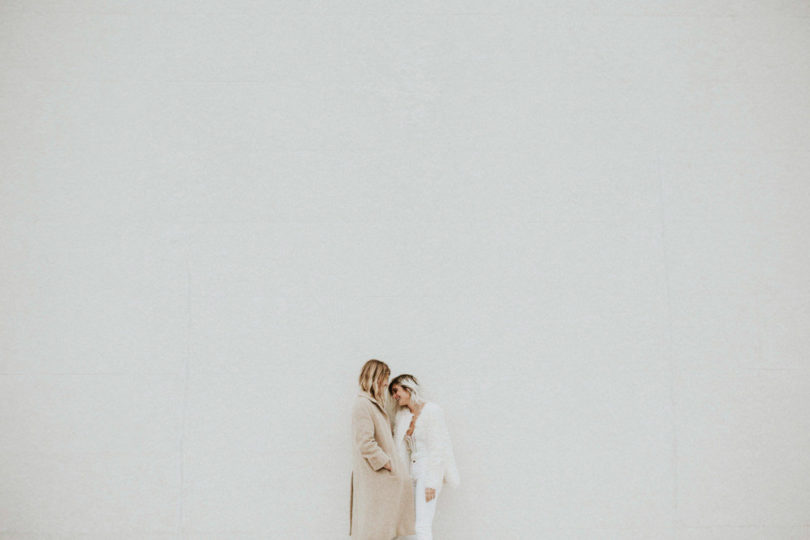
(430, 494)
(387, 466)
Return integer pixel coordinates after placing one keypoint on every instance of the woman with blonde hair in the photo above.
(381, 504)
(423, 442)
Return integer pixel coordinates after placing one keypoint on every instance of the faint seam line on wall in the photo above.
(668, 342)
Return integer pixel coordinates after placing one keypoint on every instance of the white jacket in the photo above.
(431, 430)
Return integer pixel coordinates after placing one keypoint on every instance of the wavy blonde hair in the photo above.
(373, 371)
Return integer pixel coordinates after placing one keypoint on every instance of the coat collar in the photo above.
(369, 397)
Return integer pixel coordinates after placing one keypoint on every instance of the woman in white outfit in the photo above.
(422, 439)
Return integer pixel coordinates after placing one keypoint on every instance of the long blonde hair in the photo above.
(374, 371)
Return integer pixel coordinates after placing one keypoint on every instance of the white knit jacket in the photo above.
(430, 427)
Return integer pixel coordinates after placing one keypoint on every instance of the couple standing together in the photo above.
(398, 466)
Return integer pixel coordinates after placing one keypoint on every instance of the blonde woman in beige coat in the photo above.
(381, 504)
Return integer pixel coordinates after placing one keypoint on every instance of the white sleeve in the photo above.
(436, 442)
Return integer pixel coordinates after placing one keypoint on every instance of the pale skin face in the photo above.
(403, 399)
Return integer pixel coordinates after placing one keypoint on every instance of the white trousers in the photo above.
(424, 510)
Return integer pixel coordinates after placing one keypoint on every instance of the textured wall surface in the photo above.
(582, 224)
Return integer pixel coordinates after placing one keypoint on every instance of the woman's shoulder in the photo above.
(359, 403)
(432, 409)
(363, 401)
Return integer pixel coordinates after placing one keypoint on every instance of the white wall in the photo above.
(582, 225)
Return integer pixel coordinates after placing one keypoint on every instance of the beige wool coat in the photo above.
(381, 503)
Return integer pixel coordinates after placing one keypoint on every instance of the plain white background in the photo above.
(582, 224)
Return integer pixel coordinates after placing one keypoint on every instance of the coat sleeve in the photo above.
(363, 429)
(436, 438)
